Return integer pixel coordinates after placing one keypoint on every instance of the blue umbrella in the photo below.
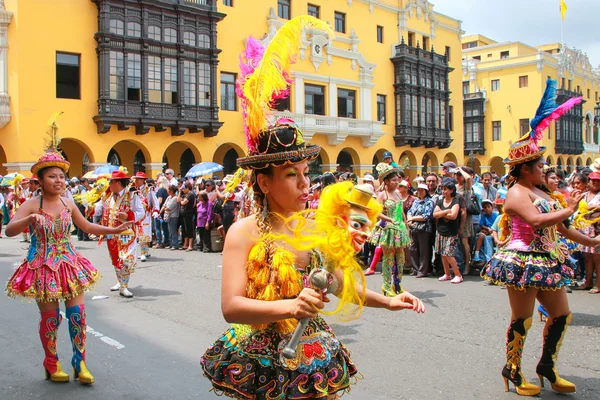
(203, 168)
(104, 170)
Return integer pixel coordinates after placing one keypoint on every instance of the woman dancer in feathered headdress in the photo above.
(535, 263)
(264, 284)
(54, 271)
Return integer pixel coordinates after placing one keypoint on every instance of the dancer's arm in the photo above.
(236, 307)
(577, 236)
(94, 229)
(518, 202)
(25, 215)
(373, 299)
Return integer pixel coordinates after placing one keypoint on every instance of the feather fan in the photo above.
(549, 111)
(271, 77)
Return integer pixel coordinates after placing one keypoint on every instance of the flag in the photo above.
(563, 9)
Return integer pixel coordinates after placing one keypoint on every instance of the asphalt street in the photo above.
(149, 347)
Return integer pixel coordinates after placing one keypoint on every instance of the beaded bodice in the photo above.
(51, 241)
(542, 240)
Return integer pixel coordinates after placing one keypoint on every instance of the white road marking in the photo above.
(105, 339)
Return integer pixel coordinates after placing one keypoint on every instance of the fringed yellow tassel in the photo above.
(286, 326)
(584, 213)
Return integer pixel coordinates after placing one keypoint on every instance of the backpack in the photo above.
(473, 207)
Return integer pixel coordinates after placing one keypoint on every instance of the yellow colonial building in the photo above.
(502, 87)
(150, 84)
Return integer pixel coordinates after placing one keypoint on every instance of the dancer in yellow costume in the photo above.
(264, 284)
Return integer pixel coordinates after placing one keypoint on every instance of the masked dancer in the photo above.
(265, 286)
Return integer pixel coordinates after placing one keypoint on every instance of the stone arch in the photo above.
(476, 165)
(347, 160)
(227, 155)
(451, 157)
(579, 162)
(315, 167)
(75, 151)
(429, 163)
(559, 163)
(497, 165)
(407, 160)
(550, 160)
(124, 153)
(180, 156)
(569, 164)
(588, 162)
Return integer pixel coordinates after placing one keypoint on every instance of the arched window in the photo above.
(170, 35)
(189, 38)
(203, 41)
(113, 158)
(134, 29)
(138, 162)
(117, 26)
(154, 32)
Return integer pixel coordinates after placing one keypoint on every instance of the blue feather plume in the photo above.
(546, 107)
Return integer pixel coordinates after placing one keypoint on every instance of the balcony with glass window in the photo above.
(156, 71)
(337, 129)
(569, 129)
(473, 119)
(422, 97)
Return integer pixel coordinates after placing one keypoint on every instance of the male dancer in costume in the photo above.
(150, 203)
(120, 205)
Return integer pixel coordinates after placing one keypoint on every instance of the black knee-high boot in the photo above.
(515, 340)
(546, 368)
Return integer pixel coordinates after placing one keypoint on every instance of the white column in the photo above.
(299, 96)
(332, 95)
(366, 104)
(5, 17)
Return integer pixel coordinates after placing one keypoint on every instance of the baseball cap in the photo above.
(449, 165)
(387, 154)
(486, 201)
(422, 186)
(369, 178)
(404, 183)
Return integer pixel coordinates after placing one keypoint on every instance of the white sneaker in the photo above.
(143, 258)
(125, 293)
(116, 287)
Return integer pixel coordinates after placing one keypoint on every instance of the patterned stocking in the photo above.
(48, 332)
(77, 327)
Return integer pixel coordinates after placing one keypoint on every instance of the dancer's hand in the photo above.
(123, 216)
(35, 219)
(123, 227)
(574, 198)
(406, 301)
(307, 304)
